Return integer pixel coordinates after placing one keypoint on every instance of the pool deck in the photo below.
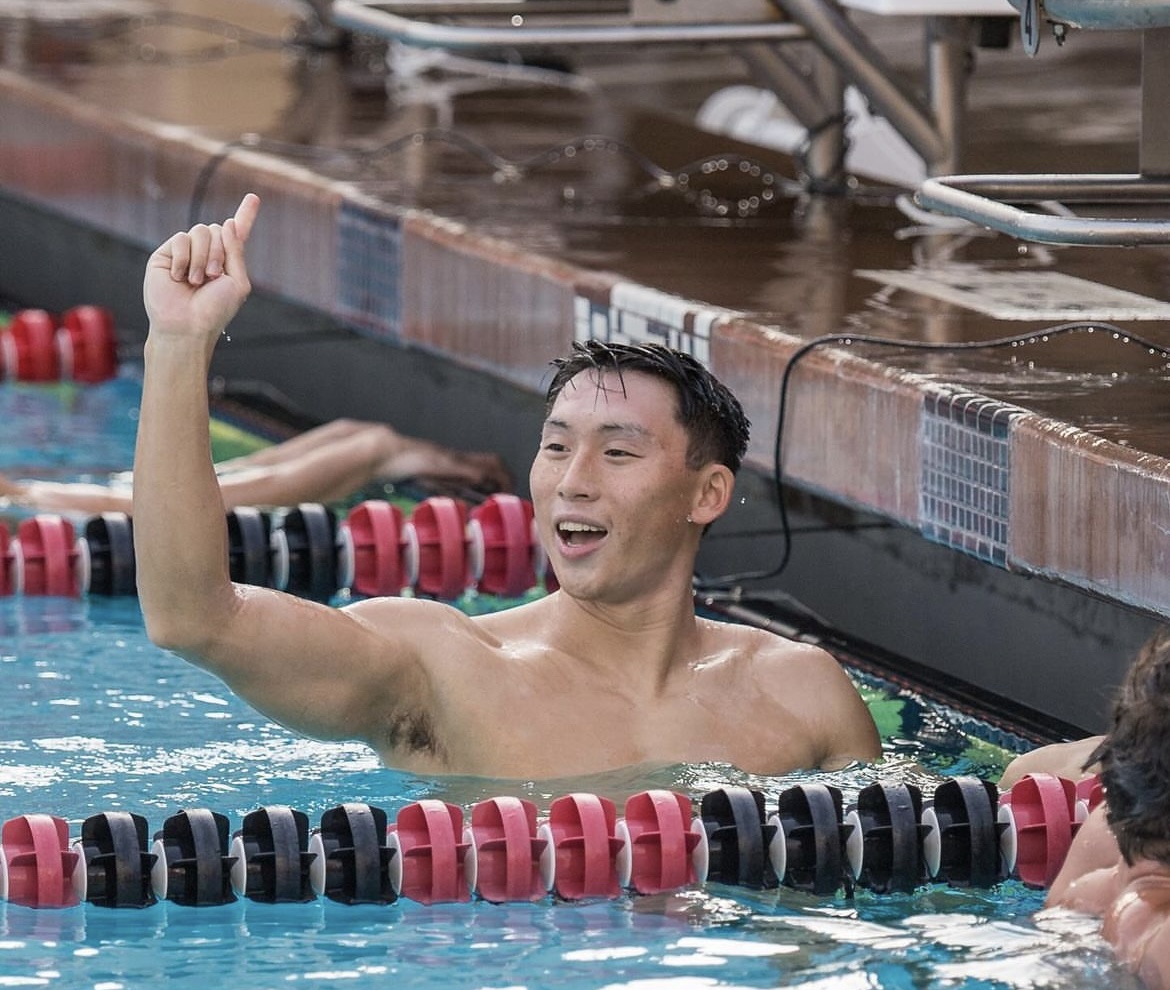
(1048, 460)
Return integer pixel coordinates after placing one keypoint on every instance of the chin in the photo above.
(578, 586)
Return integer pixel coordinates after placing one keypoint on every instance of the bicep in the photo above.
(316, 669)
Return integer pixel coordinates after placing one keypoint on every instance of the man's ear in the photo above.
(714, 494)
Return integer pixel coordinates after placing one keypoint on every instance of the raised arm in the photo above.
(194, 284)
(324, 671)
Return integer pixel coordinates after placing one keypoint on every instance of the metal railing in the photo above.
(997, 201)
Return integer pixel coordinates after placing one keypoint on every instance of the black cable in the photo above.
(727, 581)
(203, 180)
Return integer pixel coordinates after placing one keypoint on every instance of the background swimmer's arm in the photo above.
(1088, 877)
(1066, 759)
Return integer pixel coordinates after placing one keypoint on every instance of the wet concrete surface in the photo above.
(602, 167)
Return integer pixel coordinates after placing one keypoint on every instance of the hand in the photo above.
(198, 280)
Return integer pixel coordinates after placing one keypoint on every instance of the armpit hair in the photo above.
(413, 731)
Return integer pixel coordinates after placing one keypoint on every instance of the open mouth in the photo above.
(579, 534)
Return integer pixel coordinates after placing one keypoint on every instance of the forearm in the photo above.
(180, 532)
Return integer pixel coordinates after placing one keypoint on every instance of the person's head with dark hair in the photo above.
(1135, 756)
(712, 416)
(638, 456)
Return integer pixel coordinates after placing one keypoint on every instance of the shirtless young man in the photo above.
(1118, 866)
(612, 670)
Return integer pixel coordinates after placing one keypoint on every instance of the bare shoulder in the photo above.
(770, 652)
(804, 680)
(1088, 877)
(433, 632)
(1137, 924)
(788, 671)
(401, 615)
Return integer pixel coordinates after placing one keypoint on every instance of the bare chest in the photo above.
(527, 725)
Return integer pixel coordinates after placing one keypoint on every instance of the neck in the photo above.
(642, 642)
(1144, 867)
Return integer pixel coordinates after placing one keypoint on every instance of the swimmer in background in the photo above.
(1118, 867)
(637, 457)
(324, 464)
(1071, 760)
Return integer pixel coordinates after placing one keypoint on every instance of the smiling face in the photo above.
(612, 490)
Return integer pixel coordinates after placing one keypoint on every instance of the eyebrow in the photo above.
(606, 429)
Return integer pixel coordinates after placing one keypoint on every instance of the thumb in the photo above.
(236, 232)
(245, 217)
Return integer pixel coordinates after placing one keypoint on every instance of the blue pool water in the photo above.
(93, 718)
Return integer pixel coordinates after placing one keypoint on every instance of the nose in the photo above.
(576, 479)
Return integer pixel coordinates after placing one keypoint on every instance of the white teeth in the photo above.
(577, 527)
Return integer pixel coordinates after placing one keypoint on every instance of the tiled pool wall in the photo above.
(1023, 492)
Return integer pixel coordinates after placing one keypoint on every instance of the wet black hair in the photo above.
(715, 423)
(1135, 756)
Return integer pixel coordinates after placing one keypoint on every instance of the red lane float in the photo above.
(1041, 814)
(436, 553)
(87, 345)
(445, 547)
(1090, 793)
(29, 347)
(84, 348)
(500, 539)
(506, 860)
(36, 863)
(373, 544)
(46, 559)
(581, 831)
(663, 848)
(429, 857)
